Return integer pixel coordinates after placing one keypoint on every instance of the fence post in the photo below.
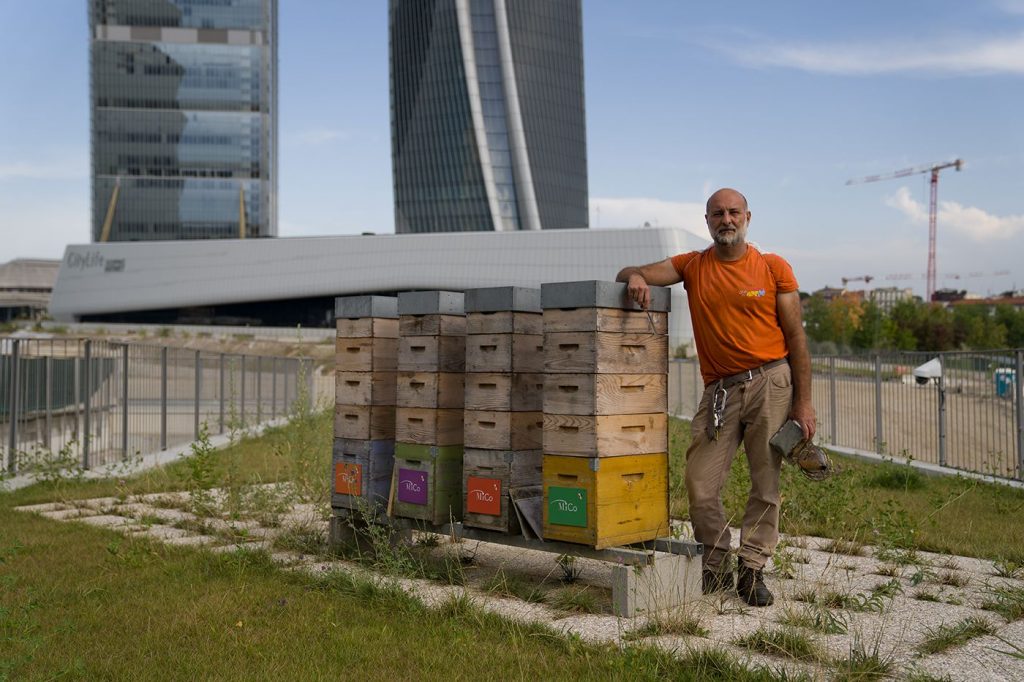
(311, 382)
(1018, 396)
(87, 385)
(124, 395)
(197, 372)
(221, 393)
(287, 406)
(832, 400)
(163, 398)
(879, 436)
(273, 387)
(12, 409)
(48, 397)
(242, 410)
(259, 389)
(942, 413)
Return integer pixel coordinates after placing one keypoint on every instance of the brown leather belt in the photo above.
(748, 375)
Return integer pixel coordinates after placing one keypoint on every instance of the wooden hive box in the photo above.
(605, 394)
(612, 435)
(500, 430)
(443, 390)
(605, 502)
(605, 353)
(432, 325)
(367, 327)
(504, 391)
(504, 322)
(364, 422)
(365, 354)
(428, 483)
(365, 388)
(503, 310)
(432, 354)
(487, 478)
(361, 473)
(428, 426)
(505, 353)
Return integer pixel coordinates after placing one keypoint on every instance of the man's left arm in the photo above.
(791, 321)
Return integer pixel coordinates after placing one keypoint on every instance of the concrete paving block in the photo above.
(354, 307)
(161, 533)
(99, 502)
(68, 514)
(598, 294)
(40, 508)
(431, 303)
(192, 540)
(237, 547)
(501, 299)
(109, 521)
(671, 580)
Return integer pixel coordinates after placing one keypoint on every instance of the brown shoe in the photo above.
(713, 581)
(751, 588)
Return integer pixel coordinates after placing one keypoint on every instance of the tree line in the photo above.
(847, 323)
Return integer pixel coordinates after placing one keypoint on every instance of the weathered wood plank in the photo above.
(504, 353)
(504, 322)
(605, 320)
(603, 352)
(605, 436)
(375, 327)
(432, 325)
(505, 391)
(366, 354)
(365, 388)
(432, 354)
(492, 430)
(428, 426)
(605, 394)
(431, 389)
(364, 422)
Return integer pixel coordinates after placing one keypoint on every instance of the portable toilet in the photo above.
(1006, 379)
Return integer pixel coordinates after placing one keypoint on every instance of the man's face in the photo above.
(727, 218)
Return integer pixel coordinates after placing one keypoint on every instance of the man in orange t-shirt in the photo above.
(757, 373)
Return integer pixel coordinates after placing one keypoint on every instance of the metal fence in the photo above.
(99, 402)
(971, 417)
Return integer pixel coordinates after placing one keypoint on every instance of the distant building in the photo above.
(829, 293)
(184, 119)
(488, 128)
(886, 298)
(25, 287)
(948, 295)
(1015, 301)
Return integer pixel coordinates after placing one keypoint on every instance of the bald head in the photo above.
(726, 194)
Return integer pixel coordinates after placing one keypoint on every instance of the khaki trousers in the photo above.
(754, 411)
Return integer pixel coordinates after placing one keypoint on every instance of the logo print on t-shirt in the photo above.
(753, 293)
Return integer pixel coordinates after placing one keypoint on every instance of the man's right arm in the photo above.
(639, 278)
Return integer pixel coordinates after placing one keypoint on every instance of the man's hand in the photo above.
(803, 413)
(638, 290)
(639, 280)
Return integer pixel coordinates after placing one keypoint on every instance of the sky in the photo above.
(785, 101)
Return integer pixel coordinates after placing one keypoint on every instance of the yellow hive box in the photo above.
(605, 501)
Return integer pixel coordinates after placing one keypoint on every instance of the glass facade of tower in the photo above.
(487, 115)
(184, 103)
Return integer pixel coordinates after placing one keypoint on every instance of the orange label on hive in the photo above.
(348, 479)
(483, 496)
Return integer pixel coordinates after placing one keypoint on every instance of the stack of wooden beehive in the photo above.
(364, 412)
(503, 418)
(605, 414)
(428, 419)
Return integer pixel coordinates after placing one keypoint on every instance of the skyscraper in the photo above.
(184, 119)
(487, 115)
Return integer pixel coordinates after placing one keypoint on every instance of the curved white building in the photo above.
(294, 280)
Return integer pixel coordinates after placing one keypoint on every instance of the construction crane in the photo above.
(932, 207)
(862, 278)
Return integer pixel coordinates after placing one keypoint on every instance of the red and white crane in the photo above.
(932, 207)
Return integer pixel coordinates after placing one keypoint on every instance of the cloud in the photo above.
(971, 221)
(636, 211)
(961, 56)
(1011, 6)
(315, 136)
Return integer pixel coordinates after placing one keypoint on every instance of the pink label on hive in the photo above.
(412, 486)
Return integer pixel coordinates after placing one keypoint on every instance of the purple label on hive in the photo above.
(412, 486)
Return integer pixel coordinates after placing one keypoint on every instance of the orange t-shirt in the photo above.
(732, 305)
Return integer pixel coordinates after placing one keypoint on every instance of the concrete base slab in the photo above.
(190, 540)
(162, 533)
(669, 581)
(109, 521)
(67, 514)
(40, 508)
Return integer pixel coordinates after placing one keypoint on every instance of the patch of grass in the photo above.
(890, 570)
(952, 578)
(840, 546)
(814, 617)
(781, 642)
(512, 585)
(925, 595)
(574, 599)
(673, 623)
(1007, 568)
(892, 476)
(1008, 602)
(945, 637)
(303, 540)
(864, 664)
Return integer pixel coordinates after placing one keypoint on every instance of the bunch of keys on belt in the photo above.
(717, 411)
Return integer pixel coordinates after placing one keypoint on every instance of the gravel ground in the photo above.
(873, 606)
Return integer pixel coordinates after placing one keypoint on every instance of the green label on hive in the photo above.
(567, 506)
